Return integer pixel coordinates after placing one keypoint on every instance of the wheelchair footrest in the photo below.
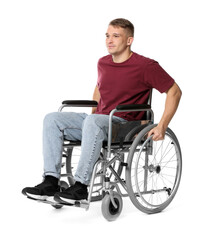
(51, 202)
(82, 204)
(75, 203)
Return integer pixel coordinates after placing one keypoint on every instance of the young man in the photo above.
(124, 77)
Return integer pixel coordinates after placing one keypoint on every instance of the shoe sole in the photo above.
(69, 201)
(40, 197)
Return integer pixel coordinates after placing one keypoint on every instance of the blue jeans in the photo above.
(92, 130)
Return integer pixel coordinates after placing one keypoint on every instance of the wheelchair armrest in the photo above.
(78, 103)
(133, 107)
(81, 103)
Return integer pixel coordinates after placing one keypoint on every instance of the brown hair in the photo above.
(123, 23)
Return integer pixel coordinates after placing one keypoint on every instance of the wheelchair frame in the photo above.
(111, 200)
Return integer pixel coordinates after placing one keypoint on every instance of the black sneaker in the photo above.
(77, 192)
(43, 191)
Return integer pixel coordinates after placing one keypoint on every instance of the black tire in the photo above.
(154, 168)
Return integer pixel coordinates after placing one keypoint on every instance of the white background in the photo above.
(48, 53)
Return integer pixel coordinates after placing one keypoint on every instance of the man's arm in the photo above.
(171, 104)
(96, 97)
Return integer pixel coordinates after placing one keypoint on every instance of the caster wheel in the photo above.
(109, 211)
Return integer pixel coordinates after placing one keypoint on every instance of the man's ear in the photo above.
(130, 40)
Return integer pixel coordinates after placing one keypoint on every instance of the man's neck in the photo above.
(122, 57)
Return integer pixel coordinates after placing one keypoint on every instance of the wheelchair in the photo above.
(130, 164)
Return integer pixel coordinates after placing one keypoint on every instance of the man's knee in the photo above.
(96, 120)
(51, 118)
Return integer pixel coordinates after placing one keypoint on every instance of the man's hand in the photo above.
(157, 132)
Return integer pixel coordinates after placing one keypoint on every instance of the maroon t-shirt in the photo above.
(129, 82)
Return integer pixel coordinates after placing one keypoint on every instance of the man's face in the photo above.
(117, 40)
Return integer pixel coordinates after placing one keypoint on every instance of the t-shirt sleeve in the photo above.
(156, 77)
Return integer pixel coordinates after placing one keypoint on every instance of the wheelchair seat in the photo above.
(122, 134)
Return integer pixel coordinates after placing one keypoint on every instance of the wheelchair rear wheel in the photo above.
(154, 171)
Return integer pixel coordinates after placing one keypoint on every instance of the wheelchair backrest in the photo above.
(147, 115)
(126, 130)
